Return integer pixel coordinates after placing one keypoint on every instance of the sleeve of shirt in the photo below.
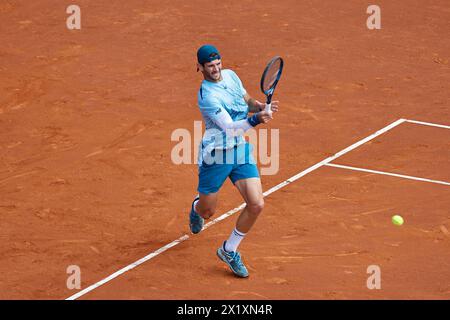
(213, 110)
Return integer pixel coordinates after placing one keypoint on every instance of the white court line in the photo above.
(129, 267)
(429, 124)
(229, 213)
(387, 173)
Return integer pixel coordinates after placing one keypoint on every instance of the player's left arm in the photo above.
(256, 106)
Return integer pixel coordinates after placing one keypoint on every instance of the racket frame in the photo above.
(270, 91)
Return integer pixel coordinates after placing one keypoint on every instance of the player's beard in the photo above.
(216, 76)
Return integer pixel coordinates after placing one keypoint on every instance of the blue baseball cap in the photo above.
(207, 53)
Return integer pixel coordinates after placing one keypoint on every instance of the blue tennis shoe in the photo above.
(195, 220)
(234, 261)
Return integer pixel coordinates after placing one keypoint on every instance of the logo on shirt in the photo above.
(218, 111)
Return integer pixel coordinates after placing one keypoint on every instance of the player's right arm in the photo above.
(223, 120)
(256, 106)
(253, 104)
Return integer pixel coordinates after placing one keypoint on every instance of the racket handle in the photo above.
(268, 108)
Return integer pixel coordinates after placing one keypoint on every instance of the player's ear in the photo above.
(199, 67)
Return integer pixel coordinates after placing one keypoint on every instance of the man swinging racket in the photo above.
(224, 105)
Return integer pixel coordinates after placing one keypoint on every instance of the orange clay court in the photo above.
(86, 176)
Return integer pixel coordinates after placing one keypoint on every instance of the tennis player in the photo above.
(224, 153)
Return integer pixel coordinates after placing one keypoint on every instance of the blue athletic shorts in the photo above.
(242, 166)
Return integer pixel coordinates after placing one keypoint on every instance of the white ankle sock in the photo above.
(234, 240)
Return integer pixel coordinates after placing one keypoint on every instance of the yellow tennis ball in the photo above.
(397, 220)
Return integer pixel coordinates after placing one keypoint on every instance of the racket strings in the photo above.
(271, 75)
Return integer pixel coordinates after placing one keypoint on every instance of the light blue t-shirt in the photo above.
(216, 97)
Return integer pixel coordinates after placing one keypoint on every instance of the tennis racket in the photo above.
(270, 78)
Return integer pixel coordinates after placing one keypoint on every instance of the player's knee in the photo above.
(256, 208)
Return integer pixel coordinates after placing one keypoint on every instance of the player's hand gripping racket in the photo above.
(270, 78)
